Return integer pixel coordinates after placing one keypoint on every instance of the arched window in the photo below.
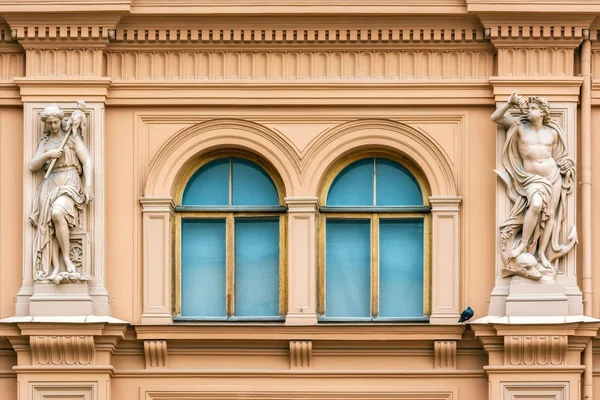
(230, 242)
(375, 259)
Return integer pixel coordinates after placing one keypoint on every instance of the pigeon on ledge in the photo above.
(466, 314)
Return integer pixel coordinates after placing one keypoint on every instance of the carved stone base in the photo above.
(524, 298)
(536, 298)
(60, 300)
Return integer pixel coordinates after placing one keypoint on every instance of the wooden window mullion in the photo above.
(230, 265)
(321, 265)
(374, 266)
(283, 254)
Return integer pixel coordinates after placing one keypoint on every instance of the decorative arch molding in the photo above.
(182, 148)
(386, 135)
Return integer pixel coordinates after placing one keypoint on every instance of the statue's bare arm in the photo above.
(41, 156)
(504, 120)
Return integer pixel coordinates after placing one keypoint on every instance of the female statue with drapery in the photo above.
(62, 195)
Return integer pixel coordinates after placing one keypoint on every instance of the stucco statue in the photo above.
(538, 176)
(61, 197)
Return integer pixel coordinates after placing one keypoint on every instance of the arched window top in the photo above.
(374, 182)
(230, 182)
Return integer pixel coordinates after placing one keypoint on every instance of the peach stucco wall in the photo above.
(131, 144)
(167, 83)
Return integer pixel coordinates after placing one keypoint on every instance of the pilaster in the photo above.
(157, 214)
(302, 260)
(445, 259)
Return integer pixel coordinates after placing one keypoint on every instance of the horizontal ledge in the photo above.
(303, 373)
(229, 319)
(339, 331)
(432, 84)
(375, 320)
(312, 7)
(266, 209)
(333, 209)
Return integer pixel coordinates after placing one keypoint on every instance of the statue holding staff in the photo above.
(62, 194)
(538, 175)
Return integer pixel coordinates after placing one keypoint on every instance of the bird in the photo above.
(466, 314)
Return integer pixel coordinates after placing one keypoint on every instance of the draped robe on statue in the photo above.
(62, 191)
(521, 187)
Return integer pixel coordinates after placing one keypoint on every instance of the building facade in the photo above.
(280, 200)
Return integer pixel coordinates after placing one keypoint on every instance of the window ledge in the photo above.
(338, 331)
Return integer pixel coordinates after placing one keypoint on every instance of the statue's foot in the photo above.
(517, 251)
(70, 266)
(546, 263)
(53, 275)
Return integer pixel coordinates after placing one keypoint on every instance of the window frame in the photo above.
(229, 214)
(374, 214)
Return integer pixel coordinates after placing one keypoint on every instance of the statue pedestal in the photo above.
(536, 298)
(62, 300)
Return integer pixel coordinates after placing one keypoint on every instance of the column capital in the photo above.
(553, 89)
(56, 90)
(302, 204)
(445, 203)
(157, 204)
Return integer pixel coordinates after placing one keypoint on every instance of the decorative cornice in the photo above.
(290, 7)
(533, 6)
(288, 35)
(50, 7)
(53, 32)
(535, 31)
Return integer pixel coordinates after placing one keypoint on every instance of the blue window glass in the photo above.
(230, 182)
(401, 268)
(256, 267)
(209, 186)
(205, 272)
(353, 186)
(396, 186)
(252, 186)
(348, 268)
(378, 184)
(203, 257)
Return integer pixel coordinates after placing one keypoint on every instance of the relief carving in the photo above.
(69, 62)
(300, 354)
(58, 205)
(300, 65)
(62, 350)
(445, 354)
(525, 61)
(155, 352)
(539, 176)
(535, 350)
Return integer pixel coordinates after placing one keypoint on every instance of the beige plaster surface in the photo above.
(411, 79)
